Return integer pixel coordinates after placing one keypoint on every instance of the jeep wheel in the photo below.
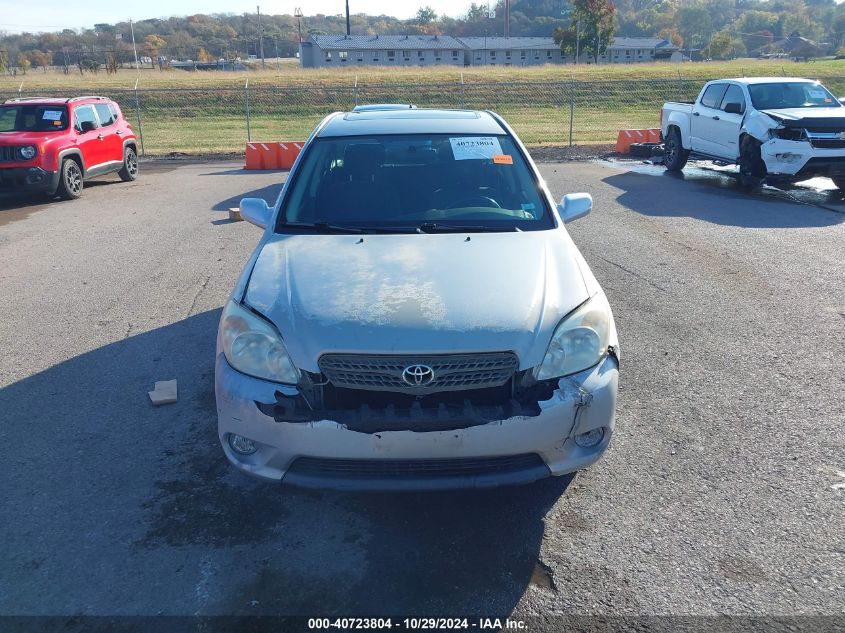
(674, 154)
(129, 171)
(71, 181)
(752, 169)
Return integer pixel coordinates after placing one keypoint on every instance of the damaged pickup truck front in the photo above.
(776, 129)
(415, 316)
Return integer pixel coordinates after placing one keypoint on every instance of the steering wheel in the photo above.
(471, 202)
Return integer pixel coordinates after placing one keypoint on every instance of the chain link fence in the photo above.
(543, 113)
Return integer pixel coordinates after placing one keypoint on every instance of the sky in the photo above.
(54, 15)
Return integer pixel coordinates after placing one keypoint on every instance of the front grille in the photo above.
(823, 138)
(451, 372)
(411, 468)
(8, 153)
(828, 143)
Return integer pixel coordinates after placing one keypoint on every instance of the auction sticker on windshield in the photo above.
(475, 147)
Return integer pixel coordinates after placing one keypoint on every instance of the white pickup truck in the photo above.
(774, 128)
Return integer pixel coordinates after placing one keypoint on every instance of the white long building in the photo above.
(338, 51)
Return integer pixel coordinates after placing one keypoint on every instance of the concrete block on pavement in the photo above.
(164, 392)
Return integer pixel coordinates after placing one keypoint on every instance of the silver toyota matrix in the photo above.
(415, 316)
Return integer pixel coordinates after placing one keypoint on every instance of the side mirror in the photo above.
(255, 211)
(87, 126)
(733, 108)
(575, 205)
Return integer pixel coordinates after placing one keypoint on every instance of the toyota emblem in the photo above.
(418, 375)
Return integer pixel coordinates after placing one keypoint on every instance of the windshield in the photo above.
(32, 118)
(426, 182)
(793, 94)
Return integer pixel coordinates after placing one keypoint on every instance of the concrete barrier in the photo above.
(254, 156)
(286, 153)
(627, 137)
(272, 155)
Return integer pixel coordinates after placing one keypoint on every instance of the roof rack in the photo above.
(86, 97)
(56, 99)
(384, 106)
(33, 99)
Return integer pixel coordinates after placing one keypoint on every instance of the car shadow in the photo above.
(717, 198)
(246, 172)
(35, 201)
(143, 499)
(269, 193)
(13, 202)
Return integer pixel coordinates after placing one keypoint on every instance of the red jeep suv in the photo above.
(53, 146)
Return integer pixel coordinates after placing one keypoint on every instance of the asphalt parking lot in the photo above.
(722, 493)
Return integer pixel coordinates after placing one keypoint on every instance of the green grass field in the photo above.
(291, 75)
(203, 112)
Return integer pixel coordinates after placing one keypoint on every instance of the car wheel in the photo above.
(71, 181)
(674, 154)
(752, 169)
(129, 171)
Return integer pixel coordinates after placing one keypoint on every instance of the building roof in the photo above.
(410, 121)
(515, 43)
(446, 42)
(386, 42)
(641, 42)
(787, 45)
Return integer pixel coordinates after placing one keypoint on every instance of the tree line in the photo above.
(719, 28)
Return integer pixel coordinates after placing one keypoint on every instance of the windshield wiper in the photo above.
(433, 227)
(322, 227)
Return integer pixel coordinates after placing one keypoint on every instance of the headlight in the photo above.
(27, 152)
(579, 342)
(254, 347)
(790, 133)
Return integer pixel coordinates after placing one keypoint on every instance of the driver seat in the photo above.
(362, 195)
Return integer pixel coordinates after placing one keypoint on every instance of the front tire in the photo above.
(129, 171)
(752, 169)
(71, 181)
(674, 154)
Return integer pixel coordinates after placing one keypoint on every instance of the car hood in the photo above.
(416, 294)
(809, 116)
(27, 138)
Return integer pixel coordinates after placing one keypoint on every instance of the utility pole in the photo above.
(348, 29)
(132, 30)
(507, 18)
(578, 40)
(260, 37)
(297, 13)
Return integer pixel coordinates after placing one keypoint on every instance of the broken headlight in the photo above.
(790, 133)
(253, 346)
(580, 340)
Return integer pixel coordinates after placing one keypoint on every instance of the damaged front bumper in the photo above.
(800, 159)
(328, 454)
